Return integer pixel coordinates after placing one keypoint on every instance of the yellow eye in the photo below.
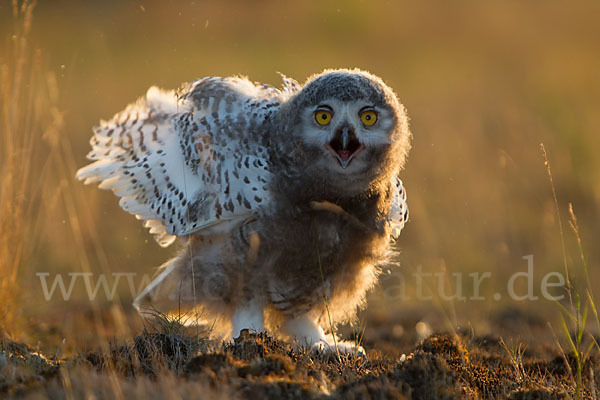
(368, 117)
(323, 117)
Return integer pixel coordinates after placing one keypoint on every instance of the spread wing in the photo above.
(190, 161)
(399, 212)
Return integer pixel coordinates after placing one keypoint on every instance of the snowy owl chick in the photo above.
(286, 200)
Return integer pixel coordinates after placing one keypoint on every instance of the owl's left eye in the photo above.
(323, 117)
(368, 117)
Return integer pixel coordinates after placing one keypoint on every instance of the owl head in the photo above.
(347, 127)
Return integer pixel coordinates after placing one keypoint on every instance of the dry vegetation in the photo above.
(256, 366)
(484, 82)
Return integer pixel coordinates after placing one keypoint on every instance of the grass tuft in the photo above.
(22, 118)
(574, 317)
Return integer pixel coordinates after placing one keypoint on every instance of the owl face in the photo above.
(346, 135)
(349, 127)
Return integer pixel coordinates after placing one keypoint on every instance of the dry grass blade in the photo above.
(595, 312)
(21, 121)
(560, 227)
(578, 313)
(575, 228)
(325, 301)
(37, 165)
(516, 357)
(562, 351)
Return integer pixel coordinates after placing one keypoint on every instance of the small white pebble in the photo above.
(423, 330)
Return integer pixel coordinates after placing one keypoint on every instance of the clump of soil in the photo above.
(259, 366)
(22, 369)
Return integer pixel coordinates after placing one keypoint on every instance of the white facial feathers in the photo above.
(347, 113)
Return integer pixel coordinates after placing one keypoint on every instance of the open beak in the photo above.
(344, 146)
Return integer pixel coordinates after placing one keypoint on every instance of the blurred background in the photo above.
(484, 82)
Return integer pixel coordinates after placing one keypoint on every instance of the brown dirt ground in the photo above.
(169, 361)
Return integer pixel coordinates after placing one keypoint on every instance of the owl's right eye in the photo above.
(323, 117)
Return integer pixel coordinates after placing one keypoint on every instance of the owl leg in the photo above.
(307, 332)
(248, 316)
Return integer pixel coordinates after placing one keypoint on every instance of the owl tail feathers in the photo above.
(170, 298)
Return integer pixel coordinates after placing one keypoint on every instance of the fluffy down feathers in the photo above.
(274, 221)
